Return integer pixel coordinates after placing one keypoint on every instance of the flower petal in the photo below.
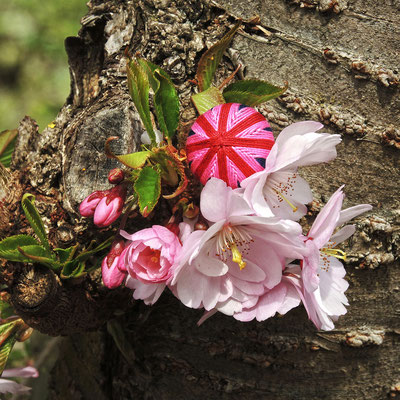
(214, 200)
(352, 212)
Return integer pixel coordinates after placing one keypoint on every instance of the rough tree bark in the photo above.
(341, 59)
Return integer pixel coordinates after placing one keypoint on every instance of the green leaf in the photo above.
(73, 269)
(251, 92)
(148, 189)
(210, 98)
(8, 337)
(11, 243)
(134, 160)
(34, 219)
(8, 139)
(166, 100)
(39, 255)
(166, 103)
(150, 68)
(65, 255)
(10, 248)
(139, 88)
(210, 60)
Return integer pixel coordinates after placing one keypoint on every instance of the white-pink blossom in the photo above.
(238, 258)
(279, 190)
(322, 272)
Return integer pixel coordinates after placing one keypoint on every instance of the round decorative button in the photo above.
(230, 142)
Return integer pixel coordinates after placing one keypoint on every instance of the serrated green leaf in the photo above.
(210, 98)
(34, 219)
(148, 189)
(210, 60)
(139, 88)
(166, 103)
(8, 139)
(11, 243)
(251, 92)
(134, 160)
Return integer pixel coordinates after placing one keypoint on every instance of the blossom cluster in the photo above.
(249, 258)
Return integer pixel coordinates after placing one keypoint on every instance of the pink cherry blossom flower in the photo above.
(149, 259)
(238, 258)
(110, 207)
(111, 274)
(279, 190)
(9, 386)
(322, 273)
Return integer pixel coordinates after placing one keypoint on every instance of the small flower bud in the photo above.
(112, 275)
(110, 207)
(89, 205)
(116, 176)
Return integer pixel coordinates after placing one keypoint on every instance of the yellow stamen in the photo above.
(294, 208)
(334, 253)
(237, 255)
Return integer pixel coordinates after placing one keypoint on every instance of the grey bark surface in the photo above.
(341, 59)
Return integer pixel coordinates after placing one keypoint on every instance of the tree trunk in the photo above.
(340, 59)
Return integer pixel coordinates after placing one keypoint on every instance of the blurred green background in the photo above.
(34, 76)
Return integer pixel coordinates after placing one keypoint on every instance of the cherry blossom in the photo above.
(238, 258)
(322, 272)
(278, 190)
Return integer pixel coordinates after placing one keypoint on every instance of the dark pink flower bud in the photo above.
(116, 176)
(112, 276)
(89, 205)
(110, 207)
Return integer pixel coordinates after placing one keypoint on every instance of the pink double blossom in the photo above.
(104, 206)
(238, 258)
(279, 190)
(149, 259)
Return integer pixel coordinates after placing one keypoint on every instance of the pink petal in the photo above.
(210, 266)
(326, 220)
(298, 128)
(25, 372)
(7, 386)
(343, 234)
(251, 272)
(352, 212)
(213, 200)
(269, 304)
